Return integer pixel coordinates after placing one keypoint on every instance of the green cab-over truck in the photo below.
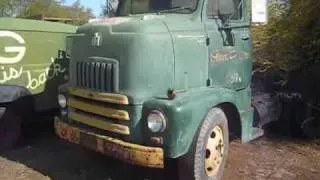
(164, 80)
(33, 63)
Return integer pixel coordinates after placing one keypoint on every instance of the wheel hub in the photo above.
(214, 151)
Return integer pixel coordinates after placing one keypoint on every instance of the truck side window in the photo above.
(212, 9)
(140, 6)
(238, 13)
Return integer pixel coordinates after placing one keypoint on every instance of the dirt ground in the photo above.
(47, 157)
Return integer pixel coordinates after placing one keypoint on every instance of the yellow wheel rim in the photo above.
(214, 151)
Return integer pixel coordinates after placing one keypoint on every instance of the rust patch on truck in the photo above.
(227, 54)
(99, 96)
(135, 154)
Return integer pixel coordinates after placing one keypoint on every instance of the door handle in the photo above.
(245, 38)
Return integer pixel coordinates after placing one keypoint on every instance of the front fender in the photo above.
(185, 114)
(2, 111)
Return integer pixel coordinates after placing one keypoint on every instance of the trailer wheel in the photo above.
(208, 154)
(10, 129)
(310, 125)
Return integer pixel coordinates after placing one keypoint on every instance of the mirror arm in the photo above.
(225, 21)
(229, 27)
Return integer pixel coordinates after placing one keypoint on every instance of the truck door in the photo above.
(229, 47)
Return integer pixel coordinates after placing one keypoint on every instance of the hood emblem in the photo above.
(96, 40)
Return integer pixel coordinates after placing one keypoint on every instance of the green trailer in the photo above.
(33, 63)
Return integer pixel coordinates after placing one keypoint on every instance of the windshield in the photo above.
(153, 6)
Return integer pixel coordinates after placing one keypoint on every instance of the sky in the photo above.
(95, 5)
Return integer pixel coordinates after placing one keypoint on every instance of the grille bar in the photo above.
(97, 75)
(99, 96)
(103, 77)
(98, 109)
(99, 123)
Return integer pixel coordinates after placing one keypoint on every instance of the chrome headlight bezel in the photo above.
(62, 101)
(156, 121)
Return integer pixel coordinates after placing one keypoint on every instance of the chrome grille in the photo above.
(100, 76)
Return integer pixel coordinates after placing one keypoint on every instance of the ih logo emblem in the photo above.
(96, 40)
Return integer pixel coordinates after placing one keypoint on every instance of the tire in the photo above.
(2, 111)
(10, 129)
(204, 161)
(310, 123)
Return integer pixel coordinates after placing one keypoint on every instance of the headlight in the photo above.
(62, 100)
(156, 122)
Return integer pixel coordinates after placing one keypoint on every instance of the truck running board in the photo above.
(257, 132)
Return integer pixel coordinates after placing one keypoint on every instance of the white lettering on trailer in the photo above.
(32, 81)
(20, 50)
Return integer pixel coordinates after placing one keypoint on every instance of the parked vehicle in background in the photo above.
(33, 63)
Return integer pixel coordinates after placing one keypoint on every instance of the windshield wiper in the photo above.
(175, 9)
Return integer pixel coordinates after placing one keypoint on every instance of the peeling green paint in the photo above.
(155, 53)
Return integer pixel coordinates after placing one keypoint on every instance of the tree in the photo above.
(110, 8)
(41, 8)
(77, 11)
(54, 8)
(8, 7)
(291, 39)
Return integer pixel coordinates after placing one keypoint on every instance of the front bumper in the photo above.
(124, 151)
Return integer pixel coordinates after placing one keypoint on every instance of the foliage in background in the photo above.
(77, 11)
(38, 9)
(110, 7)
(291, 38)
(53, 8)
(8, 7)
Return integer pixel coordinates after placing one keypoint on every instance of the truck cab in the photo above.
(162, 80)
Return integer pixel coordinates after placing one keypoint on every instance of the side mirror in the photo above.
(259, 11)
(226, 8)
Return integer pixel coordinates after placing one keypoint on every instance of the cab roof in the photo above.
(35, 25)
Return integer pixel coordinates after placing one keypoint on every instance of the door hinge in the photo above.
(207, 41)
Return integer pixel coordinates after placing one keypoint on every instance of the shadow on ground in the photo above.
(56, 159)
(46, 157)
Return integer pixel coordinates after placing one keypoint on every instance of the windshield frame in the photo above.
(124, 3)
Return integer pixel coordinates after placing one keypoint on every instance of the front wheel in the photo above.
(10, 129)
(207, 156)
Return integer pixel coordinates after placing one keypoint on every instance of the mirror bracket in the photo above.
(226, 10)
